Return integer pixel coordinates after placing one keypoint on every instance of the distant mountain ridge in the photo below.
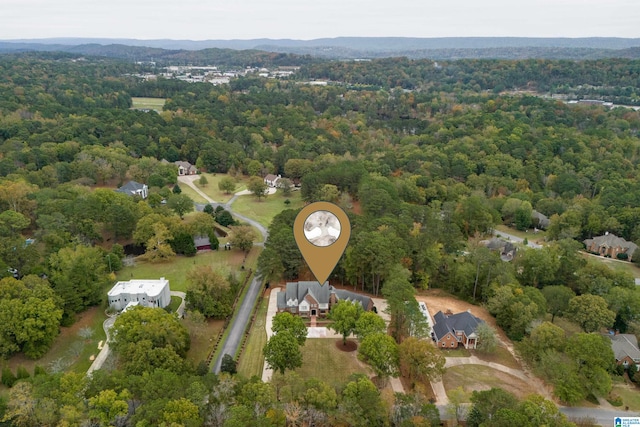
(343, 47)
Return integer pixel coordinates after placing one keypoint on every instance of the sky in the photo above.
(310, 19)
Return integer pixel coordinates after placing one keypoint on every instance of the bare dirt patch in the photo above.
(438, 300)
(346, 347)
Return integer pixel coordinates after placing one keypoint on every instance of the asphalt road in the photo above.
(517, 239)
(243, 313)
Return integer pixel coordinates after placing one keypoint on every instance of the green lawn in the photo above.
(501, 355)
(148, 103)
(267, 208)
(192, 193)
(537, 237)
(252, 360)
(176, 269)
(615, 264)
(175, 303)
(630, 395)
(211, 189)
(202, 339)
(322, 360)
(477, 377)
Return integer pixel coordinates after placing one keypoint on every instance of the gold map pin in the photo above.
(322, 231)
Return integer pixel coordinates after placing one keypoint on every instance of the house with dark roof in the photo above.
(625, 349)
(540, 220)
(133, 188)
(610, 245)
(456, 329)
(507, 249)
(202, 243)
(185, 168)
(309, 298)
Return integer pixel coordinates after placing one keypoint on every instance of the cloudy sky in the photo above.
(309, 19)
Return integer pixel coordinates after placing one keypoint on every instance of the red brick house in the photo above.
(456, 329)
(309, 298)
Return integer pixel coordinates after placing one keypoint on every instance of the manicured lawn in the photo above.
(322, 360)
(252, 360)
(615, 264)
(477, 377)
(175, 303)
(265, 209)
(630, 395)
(192, 193)
(501, 355)
(177, 268)
(150, 103)
(212, 190)
(456, 352)
(531, 236)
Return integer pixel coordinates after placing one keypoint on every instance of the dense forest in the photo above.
(426, 157)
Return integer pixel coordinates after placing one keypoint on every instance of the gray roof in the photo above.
(270, 177)
(625, 345)
(343, 295)
(610, 240)
(297, 291)
(131, 188)
(464, 321)
(543, 220)
(201, 241)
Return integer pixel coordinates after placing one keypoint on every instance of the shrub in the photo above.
(623, 256)
(22, 373)
(39, 370)
(8, 379)
(228, 365)
(614, 399)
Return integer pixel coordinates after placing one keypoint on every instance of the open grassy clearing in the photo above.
(501, 355)
(202, 339)
(252, 360)
(477, 377)
(148, 103)
(321, 359)
(69, 351)
(212, 190)
(192, 194)
(267, 208)
(176, 269)
(630, 395)
(614, 264)
(530, 235)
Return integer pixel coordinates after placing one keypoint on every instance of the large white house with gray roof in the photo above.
(146, 292)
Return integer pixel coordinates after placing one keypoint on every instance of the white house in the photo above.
(133, 188)
(147, 293)
(272, 180)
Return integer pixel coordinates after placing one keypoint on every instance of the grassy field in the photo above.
(211, 189)
(148, 103)
(201, 339)
(176, 269)
(614, 264)
(321, 359)
(477, 377)
(192, 193)
(537, 237)
(266, 209)
(251, 361)
(630, 395)
(501, 356)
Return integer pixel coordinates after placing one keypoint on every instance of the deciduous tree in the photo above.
(282, 352)
(344, 316)
(242, 237)
(420, 360)
(286, 321)
(209, 292)
(590, 312)
(381, 352)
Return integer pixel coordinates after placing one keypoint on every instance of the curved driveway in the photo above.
(243, 313)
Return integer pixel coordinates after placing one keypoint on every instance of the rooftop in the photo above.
(150, 287)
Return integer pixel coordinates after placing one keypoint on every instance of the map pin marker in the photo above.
(322, 231)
